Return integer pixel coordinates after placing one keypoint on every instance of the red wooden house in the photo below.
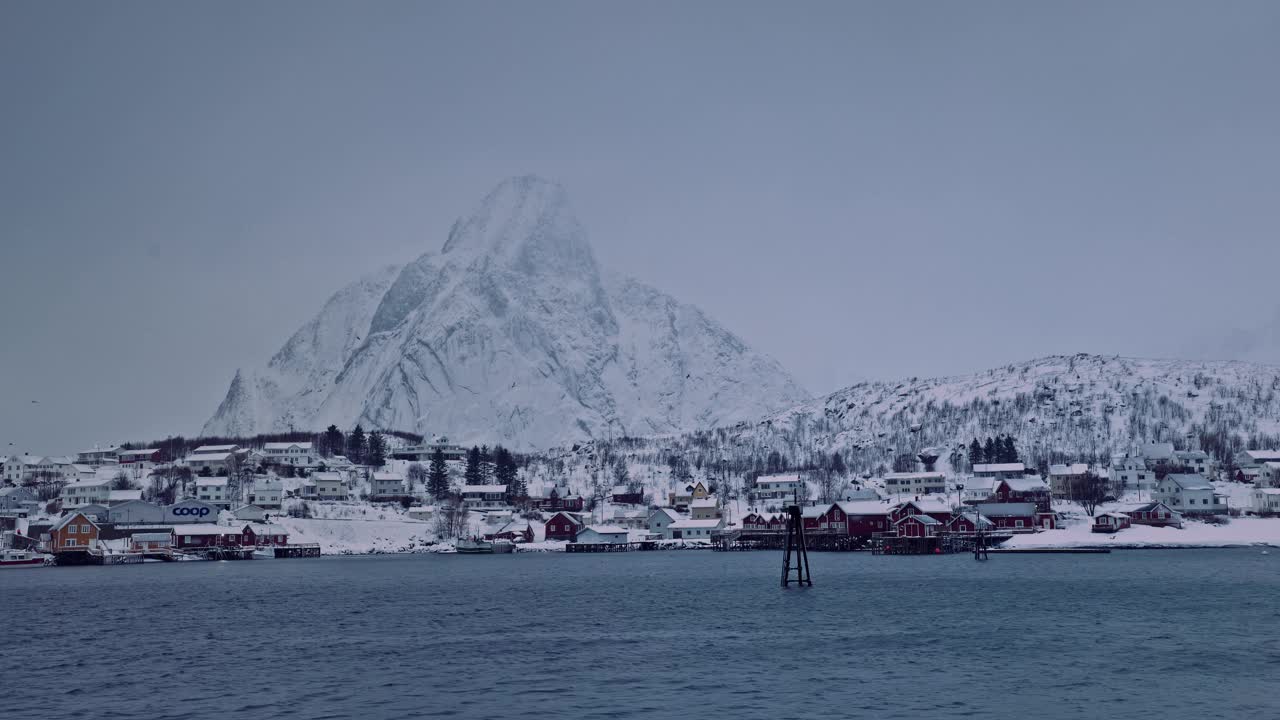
(1029, 489)
(864, 518)
(263, 535)
(75, 532)
(556, 503)
(1013, 516)
(1154, 513)
(563, 526)
(935, 509)
(919, 525)
(969, 523)
(206, 535)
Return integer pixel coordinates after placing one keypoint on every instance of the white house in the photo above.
(215, 463)
(1130, 472)
(661, 519)
(484, 497)
(86, 492)
(1062, 477)
(999, 471)
(250, 513)
(386, 485)
(977, 488)
(1197, 461)
(18, 498)
(266, 492)
(329, 485)
(1266, 501)
(778, 487)
(1189, 495)
(19, 467)
(213, 490)
(694, 529)
(915, 483)
(299, 454)
(1256, 458)
(704, 509)
(602, 535)
(98, 456)
(220, 449)
(421, 512)
(1159, 452)
(1268, 475)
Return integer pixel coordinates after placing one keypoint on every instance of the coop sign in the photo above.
(196, 511)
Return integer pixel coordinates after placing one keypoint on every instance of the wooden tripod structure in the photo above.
(795, 541)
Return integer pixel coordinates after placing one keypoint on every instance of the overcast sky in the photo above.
(861, 190)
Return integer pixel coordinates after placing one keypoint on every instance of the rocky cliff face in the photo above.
(511, 333)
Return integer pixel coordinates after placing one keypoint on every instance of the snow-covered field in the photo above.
(357, 537)
(1239, 532)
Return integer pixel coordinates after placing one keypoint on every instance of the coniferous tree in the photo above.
(438, 476)
(1010, 450)
(377, 453)
(473, 474)
(333, 441)
(837, 464)
(486, 465)
(975, 453)
(990, 454)
(357, 445)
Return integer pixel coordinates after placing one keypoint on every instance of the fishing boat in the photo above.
(504, 546)
(471, 546)
(22, 558)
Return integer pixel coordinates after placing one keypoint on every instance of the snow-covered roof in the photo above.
(1028, 483)
(204, 529)
(915, 476)
(1193, 481)
(1263, 455)
(975, 518)
(689, 524)
(778, 479)
(119, 496)
(1267, 491)
(213, 449)
(606, 529)
(68, 518)
(668, 512)
(813, 511)
(388, 476)
(1072, 469)
(147, 451)
(286, 445)
(929, 503)
(483, 489)
(151, 537)
(925, 519)
(999, 467)
(1192, 455)
(326, 476)
(864, 507)
(211, 482)
(91, 482)
(261, 529)
(208, 457)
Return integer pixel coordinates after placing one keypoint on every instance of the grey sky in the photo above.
(860, 190)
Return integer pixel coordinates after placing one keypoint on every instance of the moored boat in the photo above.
(469, 546)
(504, 546)
(22, 558)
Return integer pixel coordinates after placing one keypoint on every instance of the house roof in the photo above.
(120, 496)
(999, 467)
(484, 489)
(793, 478)
(211, 482)
(668, 512)
(606, 529)
(152, 536)
(328, 476)
(928, 503)
(1026, 484)
(214, 449)
(208, 457)
(147, 451)
(248, 507)
(924, 519)
(992, 510)
(689, 524)
(1193, 481)
(975, 518)
(286, 445)
(864, 507)
(568, 515)
(92, 482)
(915, 476)
(1263, 455)
(1072, 469)
(261, 529)
(66, 519)
(388, 476)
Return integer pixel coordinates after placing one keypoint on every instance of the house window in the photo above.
(1018, 523)
(85, 529)
(72, 529)
(69, 542)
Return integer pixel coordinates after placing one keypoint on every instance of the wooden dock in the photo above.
(303, 550)
(1051, 551)
(610, 547)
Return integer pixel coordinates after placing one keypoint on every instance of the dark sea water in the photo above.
(1159, 634)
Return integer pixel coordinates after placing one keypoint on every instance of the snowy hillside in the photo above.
(510, 334)
(1060, 408)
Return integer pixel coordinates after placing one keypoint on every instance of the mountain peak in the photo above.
(519, 209)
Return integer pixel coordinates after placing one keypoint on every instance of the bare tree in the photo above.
(1090, 490)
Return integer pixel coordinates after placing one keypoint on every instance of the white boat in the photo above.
(473, 547)
(22, 558)
(264, 553)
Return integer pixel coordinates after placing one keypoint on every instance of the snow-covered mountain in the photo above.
(510, 333)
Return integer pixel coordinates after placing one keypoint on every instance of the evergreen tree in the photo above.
(622, 475)
(416, 475)
(486, 465)
(438, 476)
(377, 454)
(357, 445)
(990, 454)
(333, 441)
(837, 465)
(975, 453)
(1010, 450)
(506, 472)
(473, 474)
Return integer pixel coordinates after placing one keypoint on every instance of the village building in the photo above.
(213, 490)
(266, 493)
(631, 516)
(977, 489)
(863, 518)
(1159, 453)
(250, 513)
(689, 529)
(18, 498)
(915, 483)
(622, 495)
(17, 468)
(515, 530)
(190, 511)
(560, 498)
(86, 492)
(421, 512)
(148, 457)
(1130, 472)
(682, 498)
(918, 526)
(136, 512)
(602, 535)
(257, 534)
(660, 519)
(1268, 475)
(1197, 461)
(778, 487)
(999, 471)
(563, 526)
(200, 535)
(1256, 458)
(327, 485)
(704, 509)
(75, 532)
(1266, 501)
(484, 497)
(297, 454)
(970, 522)
(386, 486)
(934, 507)
(98, 456)
(116, 497)
(1189, 495)
(212, 463)
(1156, 514)
(1027, 489)
(1014, 515)
(1108, 522)
(151, 541)
(1063, 478)
(426, 451)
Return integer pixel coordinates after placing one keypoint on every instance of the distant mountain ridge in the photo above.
(510, 333)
